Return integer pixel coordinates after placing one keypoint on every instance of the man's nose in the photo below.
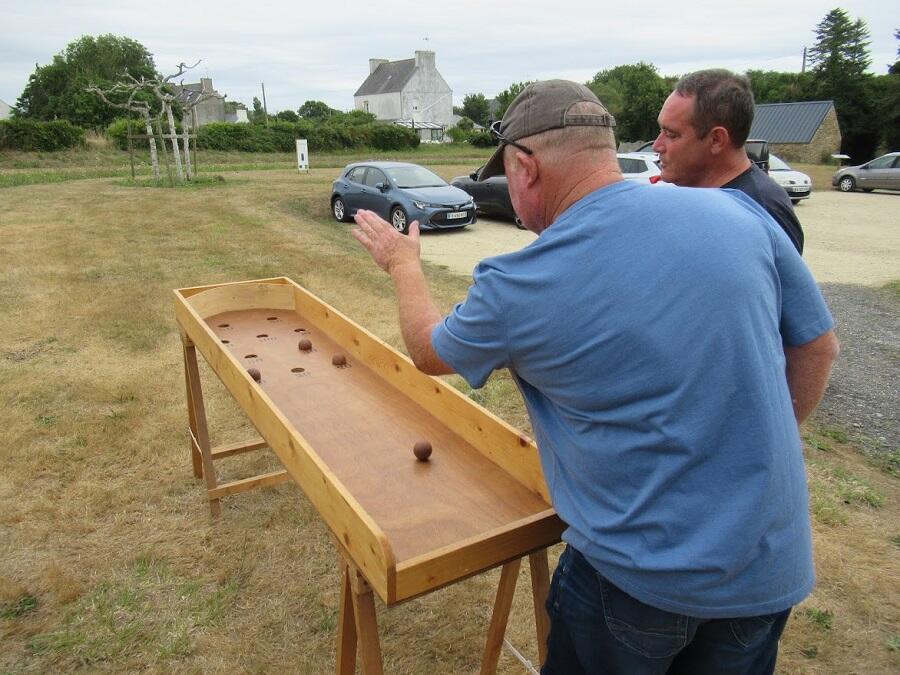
(657, 145)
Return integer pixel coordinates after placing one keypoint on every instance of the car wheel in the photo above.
(847, 184)
(399, 219)
(339, 210)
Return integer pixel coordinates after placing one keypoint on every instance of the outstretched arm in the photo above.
(808, 368)
(398, 255)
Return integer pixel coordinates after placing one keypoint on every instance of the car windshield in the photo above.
(414, 177)
(777, 164)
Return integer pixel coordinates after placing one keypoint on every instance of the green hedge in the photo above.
(31, 135)
(324, 136)
(117, 131)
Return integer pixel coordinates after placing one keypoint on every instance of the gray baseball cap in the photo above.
(540, 107)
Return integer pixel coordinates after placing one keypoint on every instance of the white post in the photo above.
(302, 155)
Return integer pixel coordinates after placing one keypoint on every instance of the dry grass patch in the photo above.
(108, 558)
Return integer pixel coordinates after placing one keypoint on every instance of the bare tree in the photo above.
(131, 105)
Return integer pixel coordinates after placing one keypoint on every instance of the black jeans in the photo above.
(597, 628)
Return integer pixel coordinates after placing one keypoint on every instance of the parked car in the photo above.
(492, 195)
(401, 193)
(639, 167)
(881, 173)
(795, 183)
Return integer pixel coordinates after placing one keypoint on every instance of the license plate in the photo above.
(456, 214)
(797, 188)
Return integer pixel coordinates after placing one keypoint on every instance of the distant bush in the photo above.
(31, 135)
(117, 131)
(481, 139)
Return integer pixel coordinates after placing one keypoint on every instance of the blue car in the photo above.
(401, 193)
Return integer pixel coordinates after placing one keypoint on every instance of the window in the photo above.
(437, 134)
(356, 175)
(374, 177)
(631, 165)
(366, 105)
(882, 162)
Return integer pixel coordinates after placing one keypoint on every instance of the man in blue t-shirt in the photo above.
(666, 342)
(703, 126)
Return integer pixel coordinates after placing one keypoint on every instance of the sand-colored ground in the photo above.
(850, 238)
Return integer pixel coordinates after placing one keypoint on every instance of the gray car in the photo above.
(881, 173)
(401, 193)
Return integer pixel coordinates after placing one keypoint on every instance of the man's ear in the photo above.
(527, 165)
(719, 140)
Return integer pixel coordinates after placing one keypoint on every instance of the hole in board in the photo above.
(272, 318)
(299, 330)
(224, 342)
(250, 356)
(298, 370)
(224, 325)
(262, 335)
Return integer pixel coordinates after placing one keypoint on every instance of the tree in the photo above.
(775, 87)
(316, 110)
(475, 107)
(287, 116)
(59, 90)
(507, 96)
(633, 94)
(839, 61)
(258, 114)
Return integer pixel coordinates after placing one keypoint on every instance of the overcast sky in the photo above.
(308, 49)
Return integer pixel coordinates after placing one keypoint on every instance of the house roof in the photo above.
(388, 78)
(789, 122)
(419, 125)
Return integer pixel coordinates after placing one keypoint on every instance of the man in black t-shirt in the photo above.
(703, 126)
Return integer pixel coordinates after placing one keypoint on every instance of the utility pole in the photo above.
(803, 67)
(265, 109)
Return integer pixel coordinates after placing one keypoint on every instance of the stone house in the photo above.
(210, 110)
(806, 132)
(410, 92)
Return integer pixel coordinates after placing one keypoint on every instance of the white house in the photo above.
(410, 92)
(5, 110)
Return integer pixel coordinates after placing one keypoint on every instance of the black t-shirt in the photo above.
(772, 197)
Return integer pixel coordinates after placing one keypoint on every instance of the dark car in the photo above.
(401, 193)
(491, 196)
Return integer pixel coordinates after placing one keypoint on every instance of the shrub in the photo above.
(481, 139)
(31, 135)
(393, 137)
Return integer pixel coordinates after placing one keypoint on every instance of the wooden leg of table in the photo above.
(366, 625)
(346, 642)
(196, 460)
(199, 430)
(505, 591)
(540, 586)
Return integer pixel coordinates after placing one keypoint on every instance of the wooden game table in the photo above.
(342, 410)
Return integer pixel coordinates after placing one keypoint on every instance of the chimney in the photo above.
(425, 60)
(374, 63)
(206, 84)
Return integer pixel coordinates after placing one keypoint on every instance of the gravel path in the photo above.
(862, 396)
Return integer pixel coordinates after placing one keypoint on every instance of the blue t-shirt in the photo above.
(645, 329)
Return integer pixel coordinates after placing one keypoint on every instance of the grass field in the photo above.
(108, 558)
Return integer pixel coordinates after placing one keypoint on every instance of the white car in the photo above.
(796, 184)
(639, 167)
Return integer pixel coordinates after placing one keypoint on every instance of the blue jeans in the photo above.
(597, 628)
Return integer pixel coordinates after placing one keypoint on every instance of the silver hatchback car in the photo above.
(881, 173)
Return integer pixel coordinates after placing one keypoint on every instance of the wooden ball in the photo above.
(422, 450)
(254, 373)
(304, 345)
(339, 360)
